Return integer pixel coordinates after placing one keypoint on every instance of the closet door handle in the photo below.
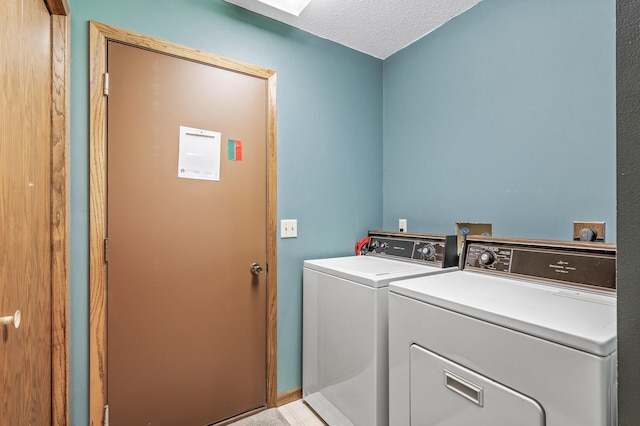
(12, 319)
(256, 269)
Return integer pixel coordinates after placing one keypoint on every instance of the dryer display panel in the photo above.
(566, 267)
(582, 264)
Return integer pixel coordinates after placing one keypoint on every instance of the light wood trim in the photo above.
(146, 42)
(585, 245)
(272, 245)
(60, 215)
(57, 7)
(99, 34)
(97, 228)
(289, 396)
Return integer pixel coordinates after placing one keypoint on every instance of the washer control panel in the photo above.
(575, 263)
(438, 250)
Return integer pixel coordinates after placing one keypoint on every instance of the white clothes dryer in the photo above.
(345, 327)
(524, 335)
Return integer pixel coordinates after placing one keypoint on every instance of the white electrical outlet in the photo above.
(402, 225)
(289, 228)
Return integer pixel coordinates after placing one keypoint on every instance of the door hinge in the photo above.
(106, 415)
(106, 250)
(105, 84)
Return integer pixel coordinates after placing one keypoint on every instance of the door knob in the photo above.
(12, 319)
(256, 269)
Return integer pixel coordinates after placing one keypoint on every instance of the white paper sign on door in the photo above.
(199, 154)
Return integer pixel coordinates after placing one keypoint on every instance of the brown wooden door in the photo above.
(25, 184)
(186, 318)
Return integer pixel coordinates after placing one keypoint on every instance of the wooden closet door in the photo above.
(25, 185)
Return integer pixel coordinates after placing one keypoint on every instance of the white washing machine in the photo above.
(524, 335)
(345, 334)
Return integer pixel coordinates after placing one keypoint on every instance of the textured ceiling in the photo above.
(376, 27)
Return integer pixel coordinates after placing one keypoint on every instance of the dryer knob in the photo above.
(487, 258)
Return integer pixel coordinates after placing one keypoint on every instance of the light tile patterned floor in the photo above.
(298, 414)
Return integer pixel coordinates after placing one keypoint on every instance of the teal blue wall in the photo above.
(329, 147)
(506, 115)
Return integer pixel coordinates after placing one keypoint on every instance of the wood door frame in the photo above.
(99, 35)
(60, 209)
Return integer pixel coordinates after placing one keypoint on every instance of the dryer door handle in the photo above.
(464, 388)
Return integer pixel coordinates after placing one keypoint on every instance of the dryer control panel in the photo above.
(583, 264)
(438, 250)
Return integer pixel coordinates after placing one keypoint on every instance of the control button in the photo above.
(487, 258)
(427, 252)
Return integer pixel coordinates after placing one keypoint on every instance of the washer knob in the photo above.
(487, 258)
(428, 251)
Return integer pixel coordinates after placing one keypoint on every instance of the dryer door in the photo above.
(444, 393)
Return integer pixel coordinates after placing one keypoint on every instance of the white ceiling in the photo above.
(376, 27)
